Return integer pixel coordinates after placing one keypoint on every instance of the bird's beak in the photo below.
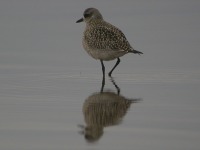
(80, 20)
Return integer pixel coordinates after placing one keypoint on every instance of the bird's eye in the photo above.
(86, 15)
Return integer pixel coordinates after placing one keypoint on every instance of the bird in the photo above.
(102, 40)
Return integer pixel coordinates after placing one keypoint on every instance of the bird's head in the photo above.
(89, 15)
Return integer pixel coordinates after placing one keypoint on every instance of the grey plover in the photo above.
(102, 40)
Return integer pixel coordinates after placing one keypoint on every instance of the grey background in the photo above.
(45, 75)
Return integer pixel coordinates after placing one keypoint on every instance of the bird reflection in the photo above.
(103, 109)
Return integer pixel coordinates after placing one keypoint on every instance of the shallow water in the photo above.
(46, 78)
(44, 111)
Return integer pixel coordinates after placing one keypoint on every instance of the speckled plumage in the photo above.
(102, 40)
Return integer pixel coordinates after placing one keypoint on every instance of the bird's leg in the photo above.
(117, 63)
(103, 79)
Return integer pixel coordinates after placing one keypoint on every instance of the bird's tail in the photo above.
(136, 52)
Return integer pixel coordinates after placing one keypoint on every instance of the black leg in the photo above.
(103, 79)
(117, 63)
(116, 86)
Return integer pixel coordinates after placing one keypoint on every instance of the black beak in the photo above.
(80, 20)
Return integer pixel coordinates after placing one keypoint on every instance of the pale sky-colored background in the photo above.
(45, 32)
(45, 74)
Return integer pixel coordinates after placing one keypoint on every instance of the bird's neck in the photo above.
(95, 22)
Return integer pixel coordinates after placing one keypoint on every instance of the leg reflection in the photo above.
(113, 82)
(116, 86)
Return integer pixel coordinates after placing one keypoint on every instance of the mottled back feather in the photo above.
(101, 35)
